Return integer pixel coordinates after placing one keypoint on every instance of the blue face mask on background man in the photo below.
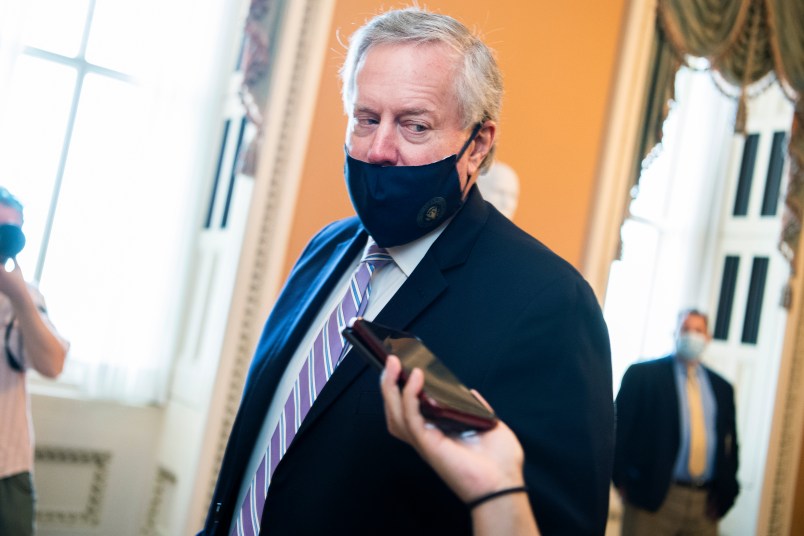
(398, 204)
(12, 240)
(690, 346)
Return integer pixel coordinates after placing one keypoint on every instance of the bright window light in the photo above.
(104, 137)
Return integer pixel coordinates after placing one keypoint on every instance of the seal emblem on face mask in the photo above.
(431, 212)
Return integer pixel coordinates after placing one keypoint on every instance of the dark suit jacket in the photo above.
(509, 317)
(649, 436)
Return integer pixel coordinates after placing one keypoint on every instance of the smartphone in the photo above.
(444, 400)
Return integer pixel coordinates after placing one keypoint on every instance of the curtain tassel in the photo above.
(742, 113)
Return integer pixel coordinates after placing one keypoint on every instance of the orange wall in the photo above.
(558, 63)
(797, 523)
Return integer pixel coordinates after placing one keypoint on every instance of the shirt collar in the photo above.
(407, 256)
(682, 366)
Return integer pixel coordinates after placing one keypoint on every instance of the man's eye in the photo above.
(417, 128)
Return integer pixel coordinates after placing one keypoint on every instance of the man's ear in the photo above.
(481, 146)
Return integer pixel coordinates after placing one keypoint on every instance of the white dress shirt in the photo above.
(384, 284)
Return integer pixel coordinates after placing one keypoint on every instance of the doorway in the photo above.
(702, 231)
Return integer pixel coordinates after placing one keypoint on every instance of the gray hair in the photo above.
(478, 84)
(692, 311)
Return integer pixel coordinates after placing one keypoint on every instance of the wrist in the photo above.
(508, 514)
(471, 485)
(496, 494)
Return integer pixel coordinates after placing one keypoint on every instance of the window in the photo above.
(106, 110)
(665, 237)
(704, 232)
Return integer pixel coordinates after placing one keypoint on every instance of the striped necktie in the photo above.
(322, 359)
(697, 457)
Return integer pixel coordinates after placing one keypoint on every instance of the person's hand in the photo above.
(471, 465)
(46, 352)
(12, 284)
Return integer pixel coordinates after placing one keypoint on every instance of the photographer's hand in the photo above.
(472, 466)
(12, 283)
(43, 350)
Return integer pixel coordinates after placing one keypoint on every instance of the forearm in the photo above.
(42, 348)
(508, 514)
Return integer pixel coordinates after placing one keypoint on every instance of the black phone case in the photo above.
(448, 419)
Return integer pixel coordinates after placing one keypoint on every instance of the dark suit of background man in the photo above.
(507, 315)
(676, 457)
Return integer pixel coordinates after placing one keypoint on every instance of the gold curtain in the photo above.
(746, 43)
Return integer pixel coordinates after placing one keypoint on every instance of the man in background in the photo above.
(309, 452)
(29, 341)
(676, 452)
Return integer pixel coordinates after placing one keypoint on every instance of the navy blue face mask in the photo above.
(11, 240)
(398, 204)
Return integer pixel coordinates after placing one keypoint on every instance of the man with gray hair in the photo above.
(309, 452)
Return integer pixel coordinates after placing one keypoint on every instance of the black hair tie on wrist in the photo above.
(494, 494)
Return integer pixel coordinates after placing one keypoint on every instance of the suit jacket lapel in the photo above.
(429, 279)
(292, 317)
(307, 288)
(295, 309)
(672, 402)
(423, 286)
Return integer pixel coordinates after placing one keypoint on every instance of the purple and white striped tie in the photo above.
(322, 358)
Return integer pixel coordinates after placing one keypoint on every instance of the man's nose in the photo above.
(384, 149)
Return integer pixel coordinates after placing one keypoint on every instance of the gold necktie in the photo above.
(697, 460)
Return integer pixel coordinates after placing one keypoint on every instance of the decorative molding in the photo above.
(617, 155)
(788, 417)
(99, 461)
(302, 46)
(163, 479)
(248, 321)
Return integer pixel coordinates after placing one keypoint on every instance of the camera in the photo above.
(11, 240)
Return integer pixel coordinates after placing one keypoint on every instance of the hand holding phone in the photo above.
(444, 400)
(472, 466)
